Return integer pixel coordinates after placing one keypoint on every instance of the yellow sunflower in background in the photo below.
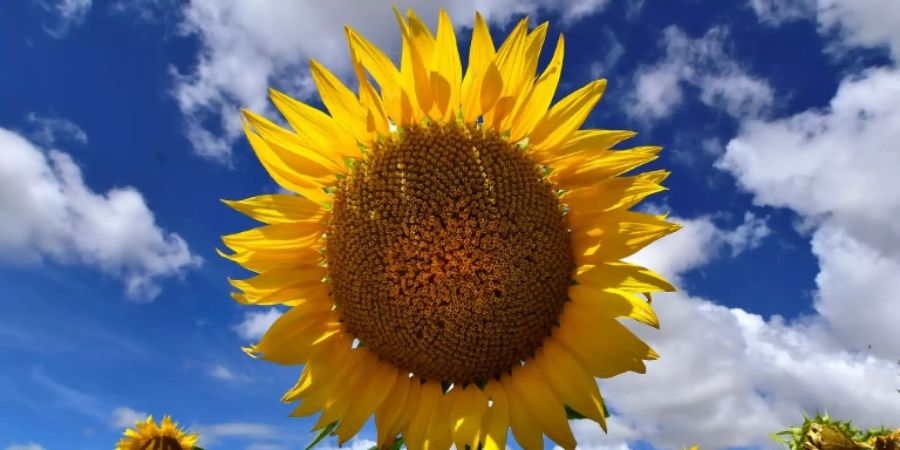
(452, 262)
(146, 435)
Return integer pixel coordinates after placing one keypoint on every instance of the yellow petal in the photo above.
(572, 384)
(524, 428)
(376, 114)
(610, 194)
(278, 236)
(616, 304)
(582, 145)
(603, 346)
(605, 165)
(481, 54)
(418, 425)
(340, 101)
(270, 282)
(541, 404)
(439, 433)
(447, 65)
(494, 429)
(278, 208)
(283, 173)
(264, 261)
(527, 66)
(388, 413)
(396, 101)
(510, 60)
(617, 234)
(532, 109)
(316, 129)
(622, 276)
(565, 117)
(297, 334)
(290, 148)
(415, 57)
(468, 406)
(367, 397)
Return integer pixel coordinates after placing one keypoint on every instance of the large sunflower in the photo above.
(452, 261)
(146, 435)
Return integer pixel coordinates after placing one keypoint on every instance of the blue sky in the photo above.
(118, 137)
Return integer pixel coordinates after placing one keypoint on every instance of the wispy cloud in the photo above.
(48, 130)
(69, 398)
(29, 446)
(221, 372)
(65, 15)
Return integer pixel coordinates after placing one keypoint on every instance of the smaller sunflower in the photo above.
(146, 435)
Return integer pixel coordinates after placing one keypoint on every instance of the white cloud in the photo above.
(355, 444)
(46, 211)
(727, 377)
(591, 437)
(776, 12)
(47, 131)
(255, 324)
(247, 46)
(223, 373)
(705, 64)
(852, 23)
(67, 14)
(615, 51)
(125, 417)
(834, 168)
(866, 23)
(29, 446)
(212, 434)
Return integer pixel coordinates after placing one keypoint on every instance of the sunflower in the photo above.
(146, 435)
(453, 257)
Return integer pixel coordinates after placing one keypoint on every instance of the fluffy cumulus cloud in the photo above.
(213, 434)
(704, 64)
(47, 212)
(728, 377)
(64, 15)
(125, 417)
(853, 23)
(833, 167)
(255, 324)
(248, 46)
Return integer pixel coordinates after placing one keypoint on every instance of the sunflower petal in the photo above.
(524, 428)
(469, 405)
(290, 148)
(278, 208)
(623, 276)
(565, 117)
(415, 56)
(297, 334)
(495, 427)
(616, 304)
(340, 101)
(284, 174)
(418, 425)
(315, 129)
(367, 398)
(278, 236)
(541, 405)
(388, 413)
(575, 174)
(617, 234)
(264, 261)
(533, 108)
(527, 66)
(447, 65)
(396, 101)
(611, 194)
(574, 386)
(580, 146)
(481, 55)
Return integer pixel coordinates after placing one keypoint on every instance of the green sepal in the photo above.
(323, 433)
(571, 414)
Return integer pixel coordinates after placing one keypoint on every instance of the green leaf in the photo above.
(572, 414)
(323, 433)
(398, 443)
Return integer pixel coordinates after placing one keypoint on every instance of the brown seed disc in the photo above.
(448, 253)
